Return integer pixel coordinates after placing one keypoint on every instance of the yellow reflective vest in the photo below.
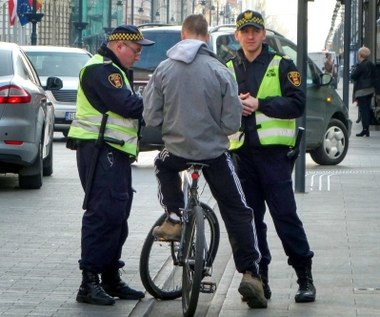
(271, 131)
(87, 120)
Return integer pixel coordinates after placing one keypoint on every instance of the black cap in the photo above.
(252, 18)
(128, 32)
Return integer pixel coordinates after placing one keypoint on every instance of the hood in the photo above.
(186, 50)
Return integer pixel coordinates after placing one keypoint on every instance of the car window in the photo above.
(29, 70)
(5, 63)
(56, 63)
(226, 46)
(290, 50)
(151, 56)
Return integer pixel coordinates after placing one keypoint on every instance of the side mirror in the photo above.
(53, 83)
(326, 79)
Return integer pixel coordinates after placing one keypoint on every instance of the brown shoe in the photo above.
(251, 288)
(168, 231)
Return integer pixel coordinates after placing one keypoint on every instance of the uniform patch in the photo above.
(295, 78)
(115, 80)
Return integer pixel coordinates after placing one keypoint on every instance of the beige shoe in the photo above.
(168, 231)
(251, 288)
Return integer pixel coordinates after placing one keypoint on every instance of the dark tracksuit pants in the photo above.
(265, 175)
(226, 189)
(104, 223)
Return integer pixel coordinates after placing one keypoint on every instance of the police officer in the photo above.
(269, 88)
(105, 134)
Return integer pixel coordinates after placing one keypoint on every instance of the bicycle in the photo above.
(171, 269)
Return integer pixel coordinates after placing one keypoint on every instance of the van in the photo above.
(328, 126)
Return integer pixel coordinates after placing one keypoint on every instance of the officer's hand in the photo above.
(250, 104)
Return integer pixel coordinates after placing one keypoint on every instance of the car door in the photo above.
(316, 94)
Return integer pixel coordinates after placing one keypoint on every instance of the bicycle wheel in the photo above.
(160, 272)
(194, 256)
(212, 233)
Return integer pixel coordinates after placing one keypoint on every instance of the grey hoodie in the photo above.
(193, 97)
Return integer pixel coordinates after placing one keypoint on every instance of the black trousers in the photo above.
(104, 223)
(226, 189)
(265, 175)
(364, 104)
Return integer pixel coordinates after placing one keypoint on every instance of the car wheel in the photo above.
(48, 162)
(31, 177)
(334, 147)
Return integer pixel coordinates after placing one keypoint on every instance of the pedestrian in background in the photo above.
(270, 90)
(331, 68)
(363, 76)
(105, 135)
(193, 97)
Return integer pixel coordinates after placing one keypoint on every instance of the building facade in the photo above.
(86, 23)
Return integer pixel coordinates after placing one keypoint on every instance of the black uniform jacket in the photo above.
(363, 75)
(290, 105)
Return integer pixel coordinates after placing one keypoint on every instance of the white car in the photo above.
(65, 63)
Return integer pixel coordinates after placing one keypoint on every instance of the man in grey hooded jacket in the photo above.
(193, 97)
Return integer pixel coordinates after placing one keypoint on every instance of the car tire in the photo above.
(33, 181)
(48, 162)
(334, 146)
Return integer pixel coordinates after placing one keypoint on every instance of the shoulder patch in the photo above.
(115, 80)
(295, 78)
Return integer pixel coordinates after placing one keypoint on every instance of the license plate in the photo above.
(69, 116)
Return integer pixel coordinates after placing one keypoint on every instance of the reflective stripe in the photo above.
(126, 123)
(112, 133)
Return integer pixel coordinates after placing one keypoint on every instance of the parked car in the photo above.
(64, 62)
(328, 126)
(26, 119)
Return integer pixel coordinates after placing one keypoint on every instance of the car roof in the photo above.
(50, 48)
(8, 45)
(231, 28)
(151, 27)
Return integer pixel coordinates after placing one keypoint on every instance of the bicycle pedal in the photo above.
(208, 287)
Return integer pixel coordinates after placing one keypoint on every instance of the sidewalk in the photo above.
(340, 212)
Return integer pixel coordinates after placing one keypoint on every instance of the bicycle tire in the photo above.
(151, 273)
(213, 238)
(161, 279)
(193, 262)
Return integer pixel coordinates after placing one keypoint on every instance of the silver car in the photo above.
(26, 119)
(65, 63)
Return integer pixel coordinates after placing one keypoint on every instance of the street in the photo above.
(40, 238)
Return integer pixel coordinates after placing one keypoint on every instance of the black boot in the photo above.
(91, 292)
(265, 279)
(306, 291)
(114, 286)
(365, 132)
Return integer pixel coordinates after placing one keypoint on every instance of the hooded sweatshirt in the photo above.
(193, 97)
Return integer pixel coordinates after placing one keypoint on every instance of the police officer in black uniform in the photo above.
(105, 135)
(269, 87)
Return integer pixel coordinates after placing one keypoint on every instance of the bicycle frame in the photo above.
(187, 260)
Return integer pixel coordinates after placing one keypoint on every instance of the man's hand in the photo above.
(249, 103)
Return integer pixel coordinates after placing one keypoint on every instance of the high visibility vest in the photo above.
(87, 120)
(271, 131)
